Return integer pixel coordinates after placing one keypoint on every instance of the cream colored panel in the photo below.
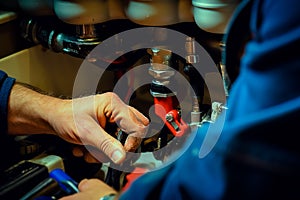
(40, 67)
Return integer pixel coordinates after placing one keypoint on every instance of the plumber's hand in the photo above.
(92, 189)
(79, 121)
(82, 121)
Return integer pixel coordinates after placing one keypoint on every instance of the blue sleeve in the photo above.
(263, 108)
(270, 66)
(189, 177)
(6, 84)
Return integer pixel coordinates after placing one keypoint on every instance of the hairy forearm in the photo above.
(28, 111)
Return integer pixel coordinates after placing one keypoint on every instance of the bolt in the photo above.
(169, 117)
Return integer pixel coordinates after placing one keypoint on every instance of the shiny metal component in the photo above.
(217, 109)
(158, 142)
(160, 58)
(171, 120)
(162, 95)
(160, 63)
(191, 56)
(161, 71)
(226, 79)
(195, 114)
(161, 74)
(86, 31)
(169, 117)
(39, 32)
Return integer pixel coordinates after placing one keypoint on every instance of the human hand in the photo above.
(91, 189)
(82, 121)
(79, 121)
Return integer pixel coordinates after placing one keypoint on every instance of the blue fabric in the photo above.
(264, 107)
(6, 84)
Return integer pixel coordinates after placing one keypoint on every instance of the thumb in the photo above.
(95, 186)
(97, 137)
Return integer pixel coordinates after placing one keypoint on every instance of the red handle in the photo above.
(165, 108)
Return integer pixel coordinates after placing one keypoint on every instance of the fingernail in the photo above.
(117, 156)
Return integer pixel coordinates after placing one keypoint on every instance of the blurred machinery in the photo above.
(75, 28)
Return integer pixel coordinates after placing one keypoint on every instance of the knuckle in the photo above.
(105, 145)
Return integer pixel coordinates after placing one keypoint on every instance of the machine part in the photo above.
(161, 71)
(17, 180)
(191, 56)
(224, 73)
(74, 46)
(195, 113)
(158, 144)
(28, 148)
(46, 187)
(160, 89)
(66, 183)
(38, 32)
(161, 64)
(213, 15)
(161, 74)
(113, 178)
(153, 13)
(81, 12)
(217, 109)
(36, 7)
(20, 178)
(50, 161)
(196, 80)
(176, 125)
(160, 59)
(226, 79)
(167, 109)
(165, 101)
(159, 13)
(78, 40)
(86, 31)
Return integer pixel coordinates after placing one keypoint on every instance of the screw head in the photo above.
(169, 117)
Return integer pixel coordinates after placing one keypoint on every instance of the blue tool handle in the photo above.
(66, 183)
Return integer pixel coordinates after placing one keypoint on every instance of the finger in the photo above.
(131, 121)
(132, 143)
(89, 184)
(127, 117)
(96, 186)
(144, 120)
(137, 133)
(90, 189)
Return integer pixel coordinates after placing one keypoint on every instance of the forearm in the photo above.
(28, 111)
